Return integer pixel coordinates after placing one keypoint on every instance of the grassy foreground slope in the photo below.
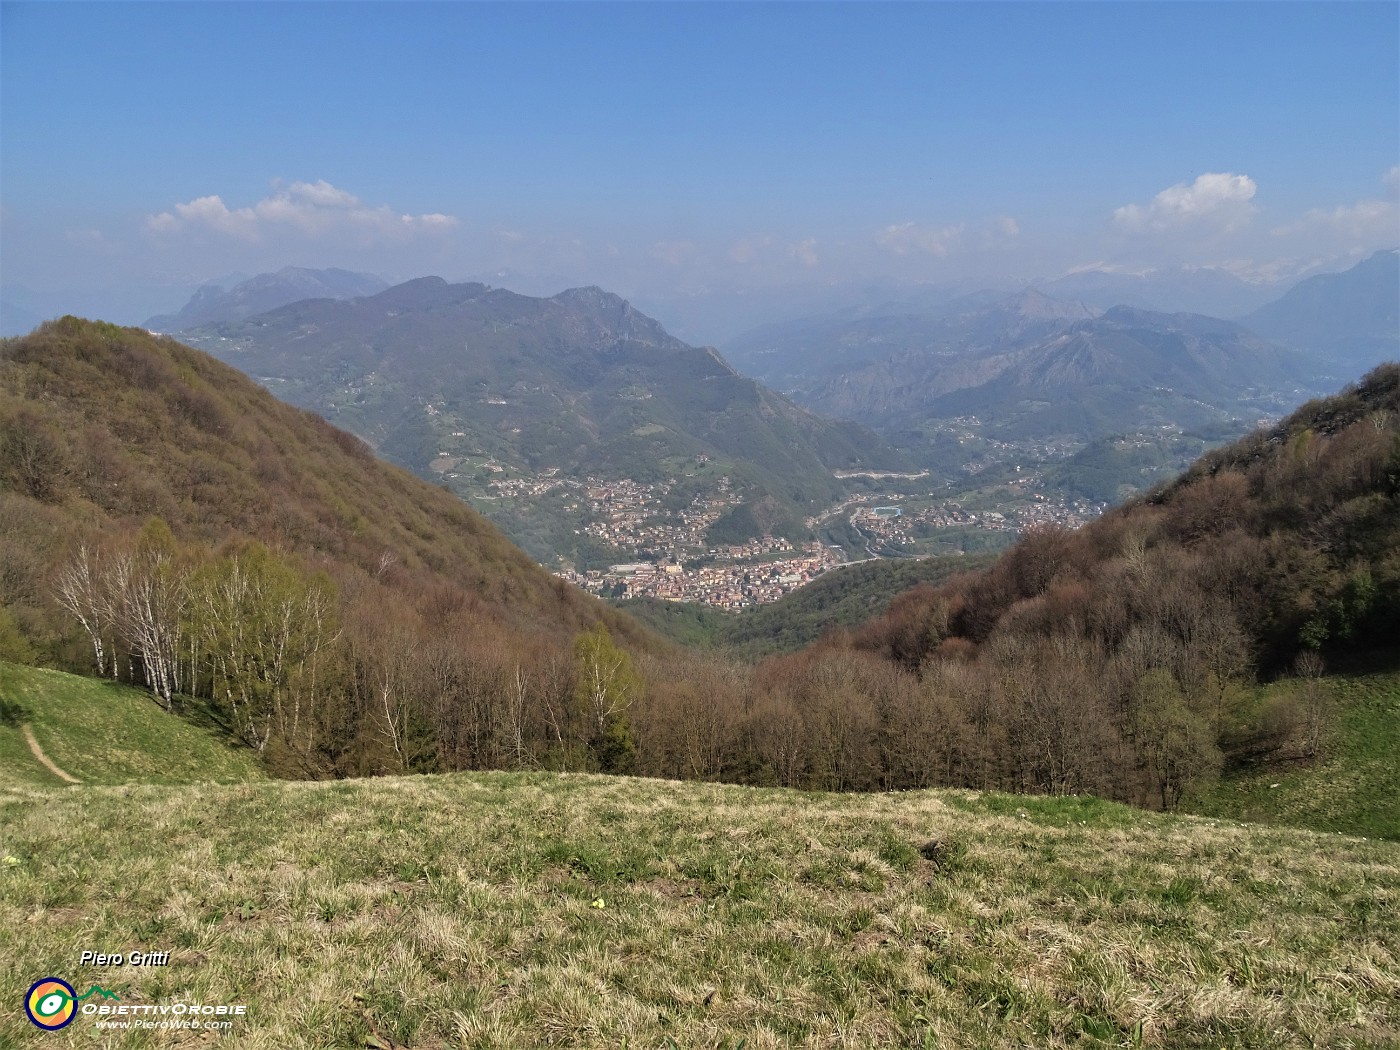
(523, 910)
(102, 732)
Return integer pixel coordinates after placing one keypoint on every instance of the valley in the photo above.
(575, 423)
(571, 423)
(664, 526)
(1009, 414)
(632, 541)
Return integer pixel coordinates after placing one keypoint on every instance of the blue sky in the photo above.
(673, 148)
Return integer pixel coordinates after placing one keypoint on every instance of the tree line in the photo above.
(345, 620)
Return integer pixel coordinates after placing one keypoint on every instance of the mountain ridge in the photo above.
(1351, 318)
(580, 382)
(262, 292)
(1125, 365)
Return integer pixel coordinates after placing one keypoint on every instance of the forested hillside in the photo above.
(165, 520)
(1120, 659)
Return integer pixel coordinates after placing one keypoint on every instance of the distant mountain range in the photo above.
(1187, 289)
(1032, 365)
(445, 378)
(795, 355)
(484, 379)
(1028, 366)
(267, 291)
(1350, 319)
(1114, 371)
(728, 317)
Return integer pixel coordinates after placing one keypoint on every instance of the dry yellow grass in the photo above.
(498, 910)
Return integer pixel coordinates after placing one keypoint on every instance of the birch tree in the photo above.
(605, 686)
(262, 630)
(150, 593)
(83, 590)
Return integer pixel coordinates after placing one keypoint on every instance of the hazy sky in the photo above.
(663, 148)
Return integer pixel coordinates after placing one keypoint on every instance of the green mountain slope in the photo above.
(581, 383)
(1352, 787)
(521, 910)
(101, 732)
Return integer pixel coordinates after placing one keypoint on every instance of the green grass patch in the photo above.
(1354, 785)
(105, 733)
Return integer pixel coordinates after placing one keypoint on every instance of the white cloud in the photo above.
(804, 251)
(908, 237)
(311, 208)
(322, 194)
(1366, 221)
(1218, 201)
(1369, 223)
(162, 223)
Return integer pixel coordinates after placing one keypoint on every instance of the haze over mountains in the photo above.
(452, 380)
(1350, 319)
(792, 355)
(264, 292)
(473, 385)
(1079, 378)
(1033, 366)
(1187, 289)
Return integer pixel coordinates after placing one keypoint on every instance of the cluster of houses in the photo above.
(628, 515)
(895, 525)
(727, 585)
(534, 485)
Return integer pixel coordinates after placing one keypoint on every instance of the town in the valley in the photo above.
(663, 551)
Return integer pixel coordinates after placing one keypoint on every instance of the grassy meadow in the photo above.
(521, 910)
(530, 910)
(105, 733)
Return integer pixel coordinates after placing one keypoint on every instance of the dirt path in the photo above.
(44, 759)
